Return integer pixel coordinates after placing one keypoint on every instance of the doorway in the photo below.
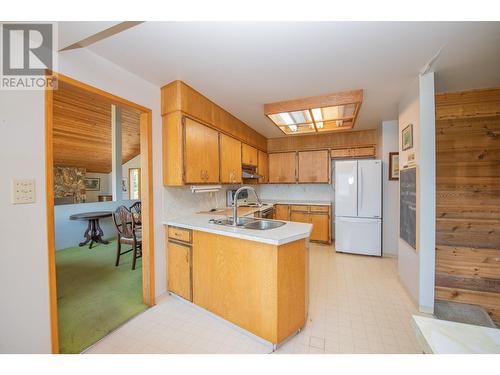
(142, 190)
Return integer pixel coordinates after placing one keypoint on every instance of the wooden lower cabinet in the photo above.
(282, 212)
(321, 227)
(259, 287)
(318, 216)
(300, 217)
(179, 269)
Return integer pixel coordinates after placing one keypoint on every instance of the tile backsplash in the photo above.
(179, 201)
(315, 192)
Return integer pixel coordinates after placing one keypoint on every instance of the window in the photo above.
(134, 183)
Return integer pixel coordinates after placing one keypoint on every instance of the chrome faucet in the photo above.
(235, 202)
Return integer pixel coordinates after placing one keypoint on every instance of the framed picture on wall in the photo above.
(407, 137)
(393, 165)
(92, 183)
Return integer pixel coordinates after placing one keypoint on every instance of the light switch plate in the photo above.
(23, 191)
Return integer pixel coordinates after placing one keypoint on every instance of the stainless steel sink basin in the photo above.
(264, 224)
(249, 223)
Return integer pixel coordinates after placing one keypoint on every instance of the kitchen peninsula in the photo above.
(256, 279)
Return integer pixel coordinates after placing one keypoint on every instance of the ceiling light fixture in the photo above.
(324, 113)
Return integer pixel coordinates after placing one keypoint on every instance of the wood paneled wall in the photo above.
(322, 141)
(468, 198)
(82, 130)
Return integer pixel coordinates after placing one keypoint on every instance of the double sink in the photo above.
(249, 223)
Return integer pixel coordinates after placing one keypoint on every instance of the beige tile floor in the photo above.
(357, 305)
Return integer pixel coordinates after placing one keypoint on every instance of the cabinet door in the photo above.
(281, 212)
(201, 153)
(230, 160)
(314, 166)
(179, 269)
(282, 167)
(301, 217)
(321, 227)
(341, 153)
(263, 167)
(364, 151)
(248, 155)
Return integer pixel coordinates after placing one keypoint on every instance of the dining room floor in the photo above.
(357, 305)
(93, 296)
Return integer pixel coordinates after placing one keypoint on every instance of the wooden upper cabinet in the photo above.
(201, 153)
(282, 167)
(356, 152)
(230, 160)
(248, 155)
(263, 167)
(314, 166)
(196, 105)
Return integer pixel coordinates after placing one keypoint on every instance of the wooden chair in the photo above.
(127, 234)
(136, 213)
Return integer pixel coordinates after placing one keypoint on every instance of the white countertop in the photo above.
(289, 232)
(288, 201)
(445, 337)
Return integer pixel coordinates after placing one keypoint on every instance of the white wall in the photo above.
(105, 188)
(389, 131)
(69, 233)
(25, 319)
(416, 267)
(24, 316)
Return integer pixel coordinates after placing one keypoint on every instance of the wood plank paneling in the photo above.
(468, 104)
(467, 261)
(82, 130)
(342, 139)
(489, 301)
(468, 198)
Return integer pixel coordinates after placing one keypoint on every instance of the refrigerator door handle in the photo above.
(360, 189)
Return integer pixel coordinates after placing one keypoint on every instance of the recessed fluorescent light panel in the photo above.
(325, 113)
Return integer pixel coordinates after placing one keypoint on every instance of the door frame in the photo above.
(146, 146)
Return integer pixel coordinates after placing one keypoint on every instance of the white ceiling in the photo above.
(241, 66)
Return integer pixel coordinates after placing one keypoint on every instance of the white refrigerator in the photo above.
(358, 207)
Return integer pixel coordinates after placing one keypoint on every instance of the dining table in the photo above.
(93, 233)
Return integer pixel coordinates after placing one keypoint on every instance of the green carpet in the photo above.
(93, 296)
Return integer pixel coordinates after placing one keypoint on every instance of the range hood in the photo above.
(249, 173)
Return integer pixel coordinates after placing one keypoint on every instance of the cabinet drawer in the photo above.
(179, 234)
(320, 208)
(299, 207)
